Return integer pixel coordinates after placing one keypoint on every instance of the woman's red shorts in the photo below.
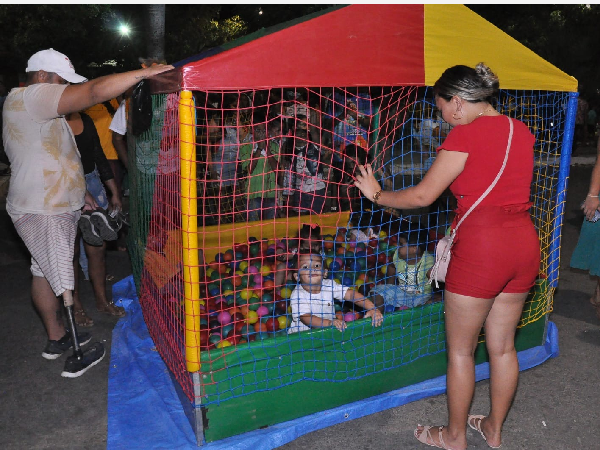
(496, 250)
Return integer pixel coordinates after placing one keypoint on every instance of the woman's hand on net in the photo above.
(366, 182)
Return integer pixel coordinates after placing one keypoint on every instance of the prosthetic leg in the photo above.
(77, 364)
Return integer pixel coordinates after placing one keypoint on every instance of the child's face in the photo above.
(310, 270)
(406, 251)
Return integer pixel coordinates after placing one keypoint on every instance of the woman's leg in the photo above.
(464, 317)
(500, 328)
(97, 270)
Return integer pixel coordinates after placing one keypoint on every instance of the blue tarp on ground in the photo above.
(144, 411)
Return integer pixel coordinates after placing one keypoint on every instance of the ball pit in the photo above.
(243, 304)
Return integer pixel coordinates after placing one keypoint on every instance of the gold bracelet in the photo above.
(377, 195)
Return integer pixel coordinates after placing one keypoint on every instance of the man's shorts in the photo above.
(51, 241)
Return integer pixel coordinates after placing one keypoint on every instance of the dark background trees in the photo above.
(566, 35)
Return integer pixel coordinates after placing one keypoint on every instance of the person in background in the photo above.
(259, 161)
(496, 252)
(587, 251)
(97, 173)
(307, 182)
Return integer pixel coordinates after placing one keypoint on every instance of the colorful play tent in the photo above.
(205, 273)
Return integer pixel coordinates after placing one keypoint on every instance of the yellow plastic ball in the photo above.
(227, 292)
(286, 292)
(243, 266)
(239, 272)
(265, 271)
(384, 269)
(209, 272)
(283, 322)
(252, 317)
(246, 293)
(382, 234)
(222, 344)
(359, 283)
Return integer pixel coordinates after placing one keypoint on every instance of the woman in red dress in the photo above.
(496, 253)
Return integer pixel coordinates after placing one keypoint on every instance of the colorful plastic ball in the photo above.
(335, 265)
(389, 308)
(337, 307)
(228, 255)
(219, 257)
(283, 322)
(253, 303)
(382, 258)
(272, 325)
(359, 283)
(383, 246)
(254, 250)
(226, 329)
(252, 317)
(252, 270)
(383, 270)
(382, 234)
(243, 266)
(245, 294)
(347, 281)
(265, 271)
(224, 317)
(353, 265)
(262, 311)
(224, 343)
(257, 279)
(268, 285)
(281, 306)
(286, 292)
(214, 291)
(246, 330)
(349, 317)
(215, 275)
(260, 327)
(214, 338)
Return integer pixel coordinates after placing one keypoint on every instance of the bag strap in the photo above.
(491, 186)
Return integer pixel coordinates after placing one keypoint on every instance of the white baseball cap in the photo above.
(52, 61)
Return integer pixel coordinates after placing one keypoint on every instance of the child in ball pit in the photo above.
(309, 239)
(407, 279)
(312, 300)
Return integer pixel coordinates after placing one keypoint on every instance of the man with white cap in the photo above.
(47, 189)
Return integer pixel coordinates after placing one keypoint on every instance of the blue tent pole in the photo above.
(561, 190)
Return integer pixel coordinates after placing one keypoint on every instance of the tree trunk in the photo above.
(155, 32)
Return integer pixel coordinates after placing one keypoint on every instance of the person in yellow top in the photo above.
(102, 115)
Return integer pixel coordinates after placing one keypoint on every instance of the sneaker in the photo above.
(88, 231)
(105, 225)
(54, 349)
(75, 367)
(119, 217)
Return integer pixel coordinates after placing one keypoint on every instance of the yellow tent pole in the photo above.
(189, 225)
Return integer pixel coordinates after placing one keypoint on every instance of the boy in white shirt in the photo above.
(313, 298)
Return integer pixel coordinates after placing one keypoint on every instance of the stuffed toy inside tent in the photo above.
(248, 154)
